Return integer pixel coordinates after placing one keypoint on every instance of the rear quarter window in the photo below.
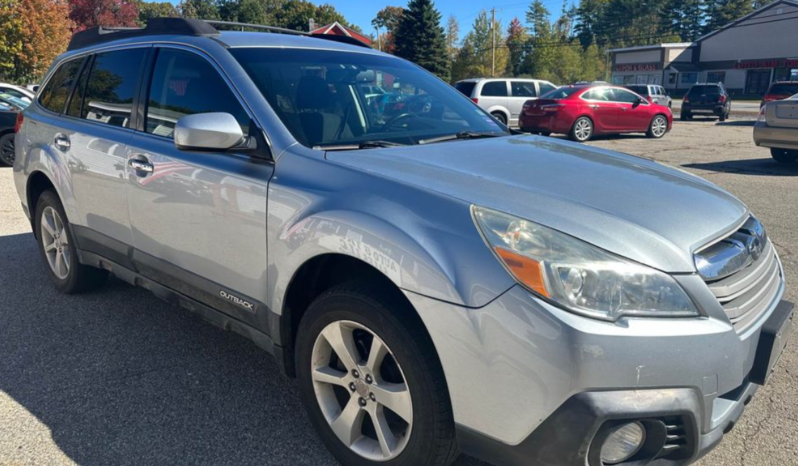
(467, 88)
(54, 95)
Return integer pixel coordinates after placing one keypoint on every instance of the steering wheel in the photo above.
(396, 119)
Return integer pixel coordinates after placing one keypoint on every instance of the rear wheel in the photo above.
(58, 250)
(371, 381)
(723, 116)
(7, 149)
(500, 116)
(784, 155)
(658, 127)
(686, 116)
(582, 130)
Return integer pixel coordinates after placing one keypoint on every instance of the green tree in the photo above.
(202, 9)
(475, 58)
(387, 20)
(722, 12)
(452, 37)
(148, 10)
(11, 37)
(593, 64)
(517, 40)
(589, 26)
(244, 11)
(420, 38)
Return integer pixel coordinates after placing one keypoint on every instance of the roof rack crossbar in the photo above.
(186, 27)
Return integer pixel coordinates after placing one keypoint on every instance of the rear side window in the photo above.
(76, 102)
(54, 95)
(495, 89)
(546, 88)
(642, 90)
(112, 84)
(466, 87)
(183, 83)
(523, 89)
(784, 89)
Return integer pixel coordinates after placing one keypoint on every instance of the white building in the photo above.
(746, 55)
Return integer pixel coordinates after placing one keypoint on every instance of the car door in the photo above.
(520, 92)
(604, 111)
(494, 96)
(93, 134)
(199, 218)
(634, 112)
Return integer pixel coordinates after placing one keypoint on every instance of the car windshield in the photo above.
(708, 90)
(642, 90)
(561, 93)
(466, 87)
(14, 101)
(784, 89)
(326, 98)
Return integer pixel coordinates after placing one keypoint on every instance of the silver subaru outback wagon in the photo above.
(435, 283)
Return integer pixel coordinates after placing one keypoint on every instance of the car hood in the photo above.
(633, 207)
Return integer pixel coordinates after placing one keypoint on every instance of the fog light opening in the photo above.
(622, 443)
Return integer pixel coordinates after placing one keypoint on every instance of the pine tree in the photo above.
(420, 38)
(722, 12)
(452, 37)
(475, 58)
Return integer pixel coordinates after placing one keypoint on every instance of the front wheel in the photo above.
(371, 381)
(658, 127)
(7, 154)
(784, 155)
(582, 130)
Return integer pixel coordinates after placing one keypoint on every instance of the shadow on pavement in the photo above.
(761, 166)
(737, 123)
(120, 377)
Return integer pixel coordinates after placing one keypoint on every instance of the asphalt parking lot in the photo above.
(119, 377)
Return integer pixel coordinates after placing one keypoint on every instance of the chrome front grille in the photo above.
(748, 289)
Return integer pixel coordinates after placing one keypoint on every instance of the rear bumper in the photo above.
(547, 123)
(779, 138)
(716, 109)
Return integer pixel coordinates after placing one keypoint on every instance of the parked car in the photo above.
(9, 108)
(780, 90)
(584, 111)
(435, 283)
(17, 91)
(654, 93)
(706, 99)
(503, 97)
(777, 128)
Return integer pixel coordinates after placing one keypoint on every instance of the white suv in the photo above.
(504, 97)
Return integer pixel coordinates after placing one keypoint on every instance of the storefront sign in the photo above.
(749, 64)
(637, 67)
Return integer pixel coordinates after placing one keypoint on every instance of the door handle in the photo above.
(141, 166)
(623, 109)
(595, 106)
(62, 142)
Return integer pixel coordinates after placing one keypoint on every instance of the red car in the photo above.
(779, 91)
(582, 112)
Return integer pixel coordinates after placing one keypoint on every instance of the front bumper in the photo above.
(531, 382)
(779, 138)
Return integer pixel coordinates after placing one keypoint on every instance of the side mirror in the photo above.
(208, 131)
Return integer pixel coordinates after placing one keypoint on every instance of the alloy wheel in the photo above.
(659, 126)
(56, 243)
(362, 391)
(7, 150)
(583, 129)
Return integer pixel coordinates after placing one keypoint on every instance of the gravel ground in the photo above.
(119, 377)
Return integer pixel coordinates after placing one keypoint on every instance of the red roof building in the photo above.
(338, 29)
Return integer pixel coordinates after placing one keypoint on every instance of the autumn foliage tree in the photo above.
(90, 13)
(32, 34)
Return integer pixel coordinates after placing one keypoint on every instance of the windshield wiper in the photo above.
(461, 135)
(362, 145)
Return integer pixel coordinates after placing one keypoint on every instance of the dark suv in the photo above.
(706, 99)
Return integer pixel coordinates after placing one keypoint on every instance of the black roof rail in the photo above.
(155, 26)
(331, 37)
(186, 27)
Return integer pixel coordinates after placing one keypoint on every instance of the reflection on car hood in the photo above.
(628, 205)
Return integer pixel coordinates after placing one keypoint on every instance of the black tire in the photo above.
(432, 440)
(723, 117)
(545, 133)
(652, 131)
(7, 150)
(500, 116)
(576, 135)
(79, 278)
(784, 155)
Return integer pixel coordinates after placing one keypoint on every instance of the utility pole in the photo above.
(493, 37)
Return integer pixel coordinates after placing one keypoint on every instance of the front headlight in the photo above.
(578, 276)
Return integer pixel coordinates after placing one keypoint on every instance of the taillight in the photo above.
(768, 98)
(686, 99)
(18, 123)
(475, 100)
(552, 107)
(722, 99)
(761, 115)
